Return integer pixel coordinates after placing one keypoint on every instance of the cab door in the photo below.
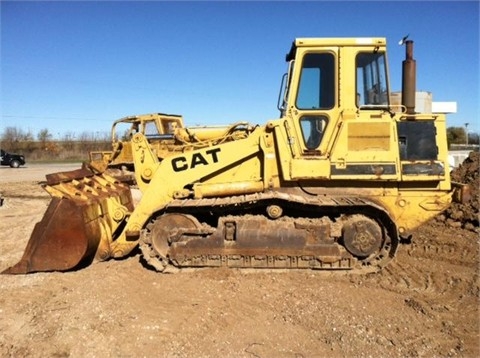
(313, 110)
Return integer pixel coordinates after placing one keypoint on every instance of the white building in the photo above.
(424, 103)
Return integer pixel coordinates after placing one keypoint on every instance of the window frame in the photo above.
(307, 136)
(330, 82)
(374, 84)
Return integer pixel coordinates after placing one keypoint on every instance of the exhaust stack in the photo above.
(409, 78)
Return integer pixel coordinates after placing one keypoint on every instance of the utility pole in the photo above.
(466, 131)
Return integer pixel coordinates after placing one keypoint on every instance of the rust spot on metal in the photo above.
(61, 177)
(461, 193)
(60, 241)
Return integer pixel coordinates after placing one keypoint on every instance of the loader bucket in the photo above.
(78, 225)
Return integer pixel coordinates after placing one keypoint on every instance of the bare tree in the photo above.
(68, 141)
(44, 136)
(456, 135)
(473, 138)
(14, 139)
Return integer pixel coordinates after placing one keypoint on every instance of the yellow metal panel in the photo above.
(368, 136)
(366, 140)
(410, 209)
(312, 168)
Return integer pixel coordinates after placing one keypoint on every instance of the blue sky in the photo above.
(73, 67)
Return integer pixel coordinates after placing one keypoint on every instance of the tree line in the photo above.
(43, 146)
(458, 135)
(70, 146)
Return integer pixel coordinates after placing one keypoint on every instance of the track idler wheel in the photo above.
(156, 240)
(362, 236)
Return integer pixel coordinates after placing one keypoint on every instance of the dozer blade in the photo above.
(79, 223)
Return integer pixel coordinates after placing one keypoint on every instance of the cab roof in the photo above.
(333, 41)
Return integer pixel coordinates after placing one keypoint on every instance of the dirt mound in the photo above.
(465, 215)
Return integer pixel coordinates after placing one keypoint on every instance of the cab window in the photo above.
(317, 82)
(313, 128)
(151, 129)
(371, 79)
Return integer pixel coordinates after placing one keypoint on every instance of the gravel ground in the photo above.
(424, 304)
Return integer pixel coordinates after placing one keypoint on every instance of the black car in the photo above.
(14, 160)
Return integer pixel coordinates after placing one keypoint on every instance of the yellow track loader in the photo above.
(335, 183)
(166, 136)
(157, 128)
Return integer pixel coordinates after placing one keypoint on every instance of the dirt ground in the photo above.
(424, 304)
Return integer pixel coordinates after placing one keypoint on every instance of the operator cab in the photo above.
(338, 120)
(327, 78)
